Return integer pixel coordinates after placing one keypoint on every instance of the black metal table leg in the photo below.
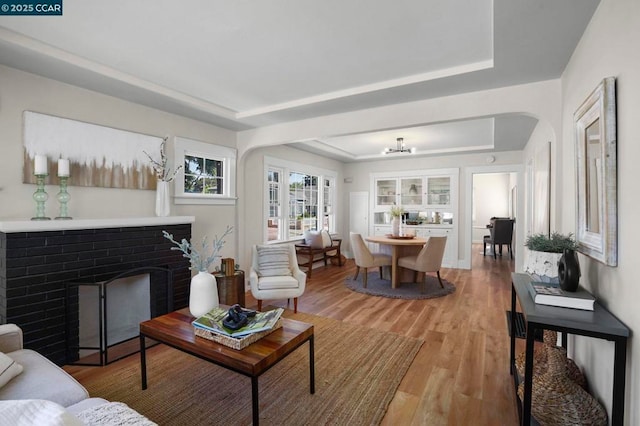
(143, 361)
(312, 368)
(619, 372)
(528, 376)
(512, 355)
(254, 401)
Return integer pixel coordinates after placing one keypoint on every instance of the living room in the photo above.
(604, 49)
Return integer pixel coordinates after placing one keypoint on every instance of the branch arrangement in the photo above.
(200, 261)
(161, 170)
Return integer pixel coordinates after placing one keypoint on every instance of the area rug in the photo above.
(381, 287)
(357, 373)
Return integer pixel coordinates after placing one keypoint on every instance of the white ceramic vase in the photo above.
(395, 226)
(162, 199)
(203, 295)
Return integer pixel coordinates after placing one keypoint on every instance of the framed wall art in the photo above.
(596, 147)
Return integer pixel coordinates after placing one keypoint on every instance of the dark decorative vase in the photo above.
(569, 270)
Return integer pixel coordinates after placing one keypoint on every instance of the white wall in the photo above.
(490, 199)
(609, 47)
(20, 91)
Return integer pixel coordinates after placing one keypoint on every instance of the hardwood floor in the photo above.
(460, 376)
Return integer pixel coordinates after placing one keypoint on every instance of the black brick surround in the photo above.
(35, 267)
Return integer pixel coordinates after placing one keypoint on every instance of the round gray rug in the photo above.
(405, 290)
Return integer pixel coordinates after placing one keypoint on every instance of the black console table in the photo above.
(598, 323)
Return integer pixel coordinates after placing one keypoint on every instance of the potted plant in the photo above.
(545, 252)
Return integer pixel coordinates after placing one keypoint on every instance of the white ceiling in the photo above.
(242, 64)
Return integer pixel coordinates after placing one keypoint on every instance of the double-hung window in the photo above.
(298, 198)
(207, 175)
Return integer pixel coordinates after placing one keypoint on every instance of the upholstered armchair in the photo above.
(365, 259)
(275, 274)
(429, 259)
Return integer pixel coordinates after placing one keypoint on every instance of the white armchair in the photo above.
(275, 274)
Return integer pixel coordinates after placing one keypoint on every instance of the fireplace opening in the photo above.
(104, 316)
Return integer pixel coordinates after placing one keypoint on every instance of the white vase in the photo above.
(203, 295)
(542, 266)
(162, 199)
(395, 226)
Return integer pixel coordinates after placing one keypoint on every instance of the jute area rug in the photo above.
(357, 373)
(405, 290)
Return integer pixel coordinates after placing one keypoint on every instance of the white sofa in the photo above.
(44, 389)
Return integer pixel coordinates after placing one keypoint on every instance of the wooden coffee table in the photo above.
(175, 330)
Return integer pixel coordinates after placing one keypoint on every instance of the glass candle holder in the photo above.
(40, 197)
(63, 198)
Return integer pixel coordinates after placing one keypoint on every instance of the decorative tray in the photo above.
(400, 237)
(237, 343)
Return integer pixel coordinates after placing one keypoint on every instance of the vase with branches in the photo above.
(203, 294)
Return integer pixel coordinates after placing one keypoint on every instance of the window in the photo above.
(208, 173)
(299, 198)
(274, 219)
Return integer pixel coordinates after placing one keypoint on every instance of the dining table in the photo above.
(397, 245)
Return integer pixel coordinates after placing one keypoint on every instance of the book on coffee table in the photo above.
(551, 294)
(212, 321)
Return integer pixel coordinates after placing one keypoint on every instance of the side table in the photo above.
(598, 323)
(231, 288)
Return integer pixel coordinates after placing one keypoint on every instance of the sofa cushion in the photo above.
(326, 238)
(313, 239)
(36, 412)
(42, 379)
(273, 261)
(273, 283)
(113, 413)
(8, 369)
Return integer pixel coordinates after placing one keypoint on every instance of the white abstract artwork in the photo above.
(98, 155)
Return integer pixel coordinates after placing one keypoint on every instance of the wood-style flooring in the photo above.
(460, 376)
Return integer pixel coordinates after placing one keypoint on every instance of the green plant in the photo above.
(396, 211)
(554, 244)
(199, 260)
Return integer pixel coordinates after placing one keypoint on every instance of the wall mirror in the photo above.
(595, 132)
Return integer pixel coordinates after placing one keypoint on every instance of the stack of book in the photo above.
(551, 294)
(210, 327)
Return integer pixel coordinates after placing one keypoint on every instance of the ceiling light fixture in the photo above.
(400, 148)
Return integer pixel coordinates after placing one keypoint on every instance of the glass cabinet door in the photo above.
(410, 192)
(386, 191)
(439, 191)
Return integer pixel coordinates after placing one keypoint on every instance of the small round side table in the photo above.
(231, 288)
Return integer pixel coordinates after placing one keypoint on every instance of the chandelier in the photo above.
(400, 148)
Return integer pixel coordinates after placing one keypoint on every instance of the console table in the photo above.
(598, 323)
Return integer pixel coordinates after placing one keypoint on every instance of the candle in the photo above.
(63, 167)
(41, 165)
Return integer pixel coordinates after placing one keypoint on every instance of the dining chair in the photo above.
(429, 259)
(501, 233)
(365, 258)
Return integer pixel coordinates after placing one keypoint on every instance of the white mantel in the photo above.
(10, 226)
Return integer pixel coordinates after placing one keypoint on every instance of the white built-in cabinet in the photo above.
(430, 200)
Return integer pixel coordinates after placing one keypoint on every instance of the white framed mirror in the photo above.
(595, 133)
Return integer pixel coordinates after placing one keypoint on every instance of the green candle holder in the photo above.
(40, 197)
(63, 198)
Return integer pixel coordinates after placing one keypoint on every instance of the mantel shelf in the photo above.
(11, 226)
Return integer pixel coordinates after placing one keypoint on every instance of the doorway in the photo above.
(492, 191)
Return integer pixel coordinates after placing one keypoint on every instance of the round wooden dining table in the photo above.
(396, 245)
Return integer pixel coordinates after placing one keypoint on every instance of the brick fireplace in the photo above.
(39, 259)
